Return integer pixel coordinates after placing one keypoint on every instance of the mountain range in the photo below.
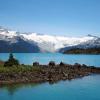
(12, 41)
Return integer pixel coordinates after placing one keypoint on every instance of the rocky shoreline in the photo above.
(45, 73)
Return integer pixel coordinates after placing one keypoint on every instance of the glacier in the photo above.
(47, 43)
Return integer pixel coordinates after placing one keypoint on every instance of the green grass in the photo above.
(18, 69)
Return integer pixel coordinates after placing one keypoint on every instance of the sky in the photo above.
(54, 17)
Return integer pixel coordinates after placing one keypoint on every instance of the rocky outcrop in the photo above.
(47, 73)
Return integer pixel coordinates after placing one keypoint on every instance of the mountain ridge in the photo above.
(43, 42)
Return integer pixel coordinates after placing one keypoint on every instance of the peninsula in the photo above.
(12, 72)
(83, 51)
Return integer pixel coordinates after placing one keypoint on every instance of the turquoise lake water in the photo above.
(44, 58)
(86, 88)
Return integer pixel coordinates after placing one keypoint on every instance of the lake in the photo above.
(44, 58)
(86, 88)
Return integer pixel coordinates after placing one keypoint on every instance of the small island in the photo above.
(12, 72)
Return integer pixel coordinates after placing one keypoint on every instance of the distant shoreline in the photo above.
(90, 51)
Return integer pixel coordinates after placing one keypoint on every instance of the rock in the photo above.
(51, 63)
(35, 63)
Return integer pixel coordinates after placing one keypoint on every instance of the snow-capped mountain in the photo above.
(12, 41)
(92, 43)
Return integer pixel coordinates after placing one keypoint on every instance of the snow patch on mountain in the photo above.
(55, 42)
(47, 43)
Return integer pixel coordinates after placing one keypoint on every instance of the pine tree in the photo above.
(11, 61)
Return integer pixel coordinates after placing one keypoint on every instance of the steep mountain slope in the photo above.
(12, 42)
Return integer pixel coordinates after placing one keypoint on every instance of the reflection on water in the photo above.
(86, 88)
(12, 88)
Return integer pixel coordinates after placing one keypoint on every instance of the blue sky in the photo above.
(57, 17)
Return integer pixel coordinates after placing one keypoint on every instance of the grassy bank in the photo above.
(18, 69)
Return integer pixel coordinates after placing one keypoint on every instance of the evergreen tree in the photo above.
(11, 61)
